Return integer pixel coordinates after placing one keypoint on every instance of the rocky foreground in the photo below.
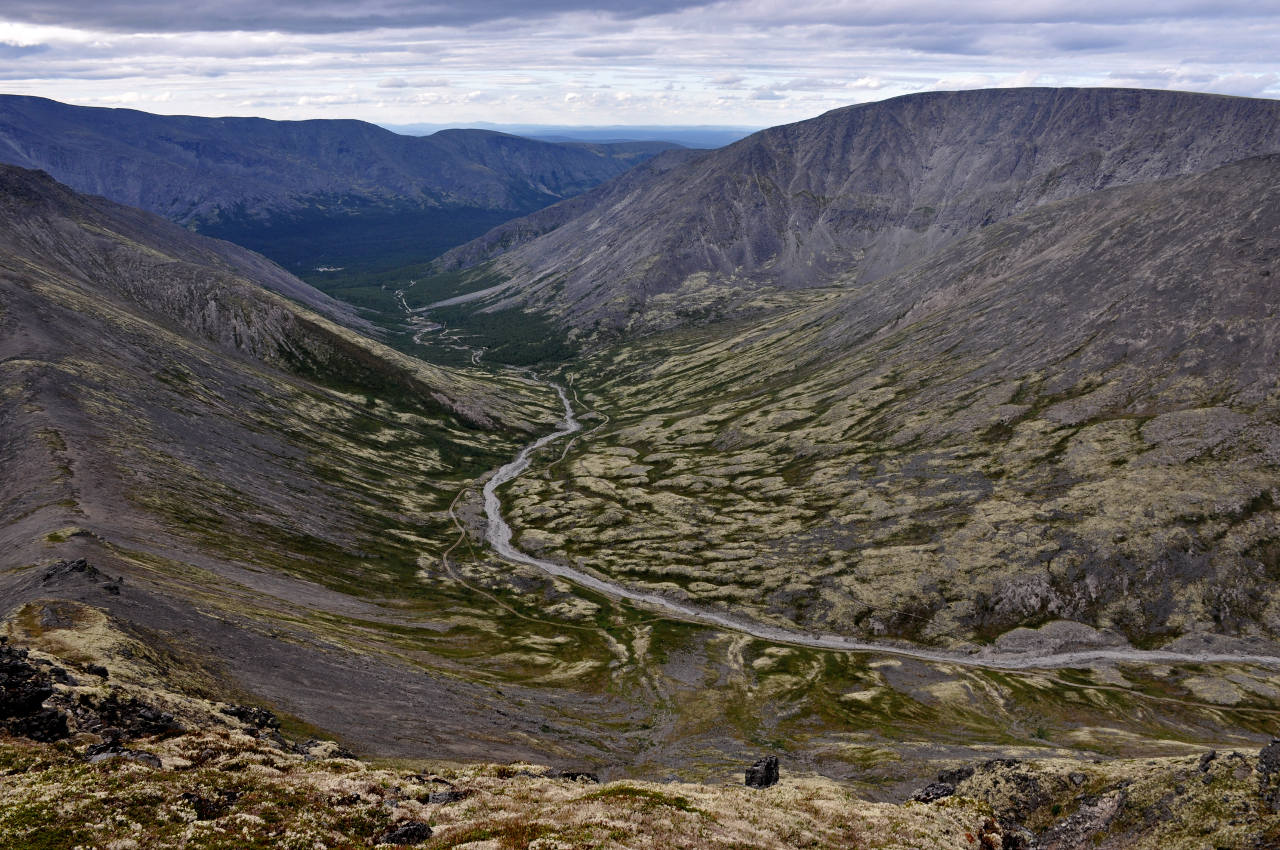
(106, 745)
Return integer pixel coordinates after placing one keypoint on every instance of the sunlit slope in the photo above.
(1072, 414)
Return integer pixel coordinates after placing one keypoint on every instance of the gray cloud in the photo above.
(308, 16)
(614, 51)
(649, 61)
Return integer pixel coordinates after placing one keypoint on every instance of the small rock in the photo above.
(1077, 779)
(763, 773)
(444, 797)
(97, 670)
(934, 791)
(119, 753)
(62, 677)
(254, 716)
(575, 776)
(207, 808)
(1206, 758)
(409, 832)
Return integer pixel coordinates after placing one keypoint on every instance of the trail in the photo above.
(499, 533)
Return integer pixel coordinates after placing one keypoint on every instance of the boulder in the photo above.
(407, 833)
(763, 773)
(934, 791)
(23, 689)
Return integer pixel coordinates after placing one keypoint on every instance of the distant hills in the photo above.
(850, 196)
(306, 193)
(690, 136)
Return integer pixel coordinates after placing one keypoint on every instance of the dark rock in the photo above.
(1018, 837)
(574, 775)
(79, 566)
(991, 835)
(934, 791)
(97, 670)
(43, 725)
(410, 832)
(1206, 758)
(130, 717)
(452, 796)
(106, 752)
(23, 689)
(1269, 774)
(254, 716)
(955, 776)
(1269, 758)
(1077, 779)
(763, 773)
(211, 808)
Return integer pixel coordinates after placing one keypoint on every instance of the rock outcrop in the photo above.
(763, 773)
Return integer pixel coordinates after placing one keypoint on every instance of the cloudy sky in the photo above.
(740, 62)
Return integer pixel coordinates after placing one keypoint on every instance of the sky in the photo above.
(748, 63)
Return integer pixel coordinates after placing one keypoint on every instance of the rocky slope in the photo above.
(147, 756)
(855, 194)
(1067, 415)
(244, 462)
(272, 184)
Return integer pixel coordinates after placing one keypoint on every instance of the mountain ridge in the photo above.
(239, 177)
(855, 193)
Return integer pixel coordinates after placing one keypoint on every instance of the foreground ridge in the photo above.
(143, 765)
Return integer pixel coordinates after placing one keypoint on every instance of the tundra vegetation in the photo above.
(1052, 430)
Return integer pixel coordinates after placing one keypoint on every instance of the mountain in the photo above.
(1067, 415)
(1031, 470)
(853, 195)
(688, 135)
(252, 475)
(306, 193)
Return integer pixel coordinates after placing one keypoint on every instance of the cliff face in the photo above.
(854, 194)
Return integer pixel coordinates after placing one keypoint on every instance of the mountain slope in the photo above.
(856, 193)
(1071, 414)
(259, 475)
(369, 191)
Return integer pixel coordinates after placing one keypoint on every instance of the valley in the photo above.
(858, 443)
